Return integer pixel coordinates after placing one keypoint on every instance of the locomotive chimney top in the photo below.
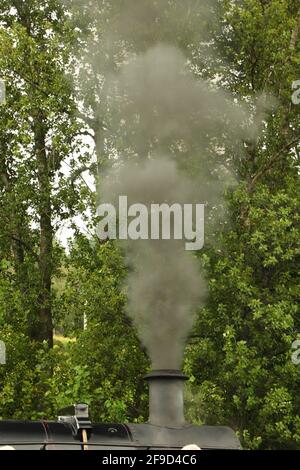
(166, 407)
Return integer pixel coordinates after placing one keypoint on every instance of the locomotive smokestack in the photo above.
(166, 407)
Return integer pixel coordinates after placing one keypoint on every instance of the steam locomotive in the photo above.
(166, 428)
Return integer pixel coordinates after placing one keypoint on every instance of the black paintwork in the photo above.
(50, 435)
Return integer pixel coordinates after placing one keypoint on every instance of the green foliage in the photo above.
(251, 321)
(103, 367)
(239, 355)
(241, 362)
(108, 348)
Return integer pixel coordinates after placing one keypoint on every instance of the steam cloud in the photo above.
(159, 103)
(166, 126)
(164, 285)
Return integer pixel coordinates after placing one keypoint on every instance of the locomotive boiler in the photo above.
(165, 429)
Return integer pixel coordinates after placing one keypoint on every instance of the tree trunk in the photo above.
(16, 244)
(43, 330)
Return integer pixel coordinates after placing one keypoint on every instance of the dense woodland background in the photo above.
(239, 354)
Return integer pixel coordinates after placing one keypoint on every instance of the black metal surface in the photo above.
(76, 416)
(111, 436)
(166, 404)
(166, 374)
(20, 433)
(60, 436)
(51, 435)
(205, 437)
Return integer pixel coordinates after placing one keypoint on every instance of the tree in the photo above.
(108, 349)
(38, 137)
(239, 354)
(243, 357)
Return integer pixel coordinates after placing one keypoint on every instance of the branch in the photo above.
(93, 123)
(272, 162)
(294, 38)
(295, 32)
(86, 133)
(297, 153)
(79, 172)
(25, 245)
(5, 180)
